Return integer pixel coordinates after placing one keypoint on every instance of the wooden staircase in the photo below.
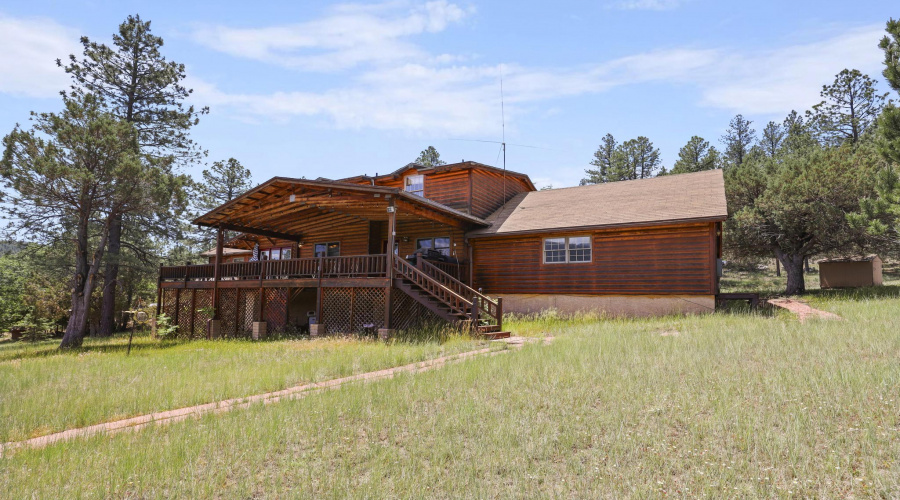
(449, 298)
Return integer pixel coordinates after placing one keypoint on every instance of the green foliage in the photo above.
(850, 107)
(13, 308)
(738, 140)
(429, 157)
(633, 159)
(69, 177)
(889, 121)
(795, 205)
(222, 182)
(695, 156)
(140, 86)
(772, 137)
(164, 327)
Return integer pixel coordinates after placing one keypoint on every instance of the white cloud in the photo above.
(779, 80)
(348, 36)
(648, 4)
(461, 100)
(452, 100)
(30, 48)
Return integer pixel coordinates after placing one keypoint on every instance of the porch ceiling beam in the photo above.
(257, 231)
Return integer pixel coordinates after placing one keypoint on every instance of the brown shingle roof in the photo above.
(670, 198)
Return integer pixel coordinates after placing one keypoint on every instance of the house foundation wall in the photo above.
(609, 305)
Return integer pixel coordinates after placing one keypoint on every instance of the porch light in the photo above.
(391, 210)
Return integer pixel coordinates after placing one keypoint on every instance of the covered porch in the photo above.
(332, 268)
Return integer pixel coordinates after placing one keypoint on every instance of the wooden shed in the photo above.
(850, 272)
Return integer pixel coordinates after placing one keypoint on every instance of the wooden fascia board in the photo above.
(571, 229)
(255, 231)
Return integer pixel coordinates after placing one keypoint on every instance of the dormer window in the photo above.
(415, 184)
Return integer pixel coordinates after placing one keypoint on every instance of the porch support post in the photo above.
(214, 330)
(159, 293)
(391, 236)
(217, 271)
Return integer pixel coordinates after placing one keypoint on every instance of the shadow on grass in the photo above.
(864, 293)
(31, 351)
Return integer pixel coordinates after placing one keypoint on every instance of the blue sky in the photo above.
(317, 89)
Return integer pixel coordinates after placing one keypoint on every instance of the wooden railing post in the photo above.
(475, 313)
(391, 236)
(159, 292)
(500, 313)
(217, 272)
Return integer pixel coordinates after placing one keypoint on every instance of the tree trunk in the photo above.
(793, 267)
(81, 306)
(110, 277)
(777, 267)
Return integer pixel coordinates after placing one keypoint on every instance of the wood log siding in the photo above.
(487, 191)
(658, 260)
(474, 191)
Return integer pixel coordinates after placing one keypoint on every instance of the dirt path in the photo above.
(296, 392)
(802, 309)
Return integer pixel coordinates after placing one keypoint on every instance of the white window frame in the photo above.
(566, 249)
(406, 184)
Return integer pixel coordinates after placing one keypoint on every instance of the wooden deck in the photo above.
(352, 293)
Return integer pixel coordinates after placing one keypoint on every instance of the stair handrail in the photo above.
(409, 270)
(470, 294)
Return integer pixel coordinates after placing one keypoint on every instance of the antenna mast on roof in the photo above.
(503, 133)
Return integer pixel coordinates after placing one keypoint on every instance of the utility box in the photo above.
(851, 272)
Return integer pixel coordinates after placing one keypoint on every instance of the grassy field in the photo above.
(716, 405)
(43, 390)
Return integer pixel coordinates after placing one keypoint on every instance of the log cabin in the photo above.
(460, 243)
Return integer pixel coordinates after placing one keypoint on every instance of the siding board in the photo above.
(660, 260)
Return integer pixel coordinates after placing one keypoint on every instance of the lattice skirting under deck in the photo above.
(352, 310)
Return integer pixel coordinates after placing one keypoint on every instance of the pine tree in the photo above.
(772, 137)
(222, 182)
(633, 159)
(695, 156)
(70, 176)
(604, 160)
(851, 105)
(889, 121)
(641, 160)
(794, 205)
(429, 157)
(737, 140)
(138, 85)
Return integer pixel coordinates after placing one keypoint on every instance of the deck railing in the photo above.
(481, 306)
(352, 266)
(459, 271)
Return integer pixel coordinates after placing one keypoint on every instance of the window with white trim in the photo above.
(570, 249)
(414, 184)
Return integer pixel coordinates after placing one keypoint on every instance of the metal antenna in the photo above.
(503, 133)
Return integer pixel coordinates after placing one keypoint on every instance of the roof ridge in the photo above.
(661, 177)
